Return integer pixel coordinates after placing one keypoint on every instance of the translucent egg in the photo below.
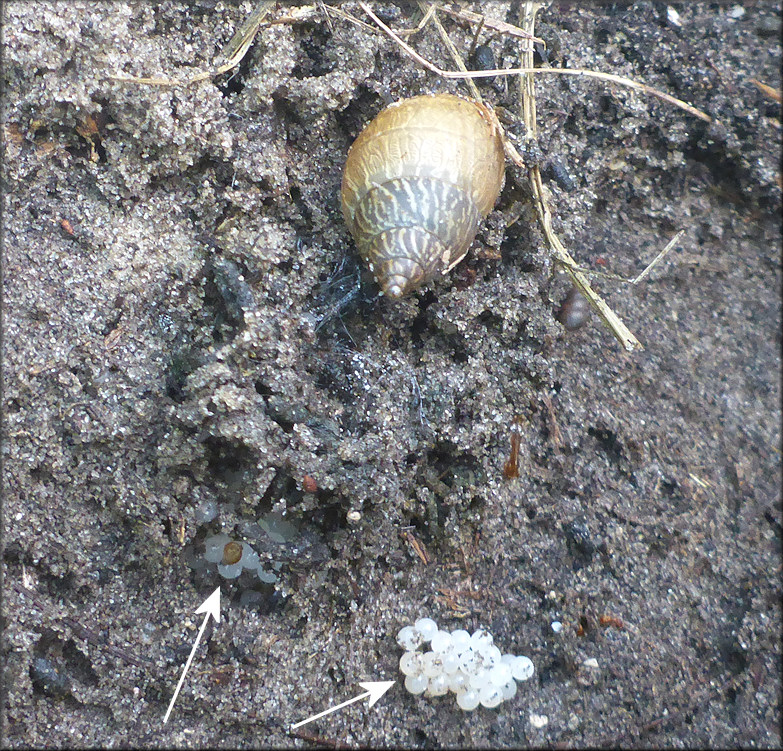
(523, 668)
(409, 638)
(509, 690)
(460, 639)
(468, 700)
(458, 682)
(251, 530)
(410, 663)
(415, 684)
(266, 576)
(490, 656)
(451, 661)
(230, 571)
(441, 642)
(214, 547)
(426, 627)
(501, 674)
(480, 680)
(508, 659)
(205, 512)
(480, 638)
(431, 665)
(249, 557)
(277, 528)
(438, 686)
(469, 662)
(491, 697)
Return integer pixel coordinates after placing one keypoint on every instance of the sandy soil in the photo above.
(185, 324)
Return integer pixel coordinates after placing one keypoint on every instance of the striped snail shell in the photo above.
(418, 182)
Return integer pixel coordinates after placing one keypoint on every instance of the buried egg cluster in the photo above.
(253, 555)
(232, 557)
(468, 665)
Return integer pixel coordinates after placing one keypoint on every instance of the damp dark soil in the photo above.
(190, 346)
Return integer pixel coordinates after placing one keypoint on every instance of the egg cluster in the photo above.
(468, 665)
(232, 557)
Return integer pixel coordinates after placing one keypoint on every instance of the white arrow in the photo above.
(375, 690)
(210, 607)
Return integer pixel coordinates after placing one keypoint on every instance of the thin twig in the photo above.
(452, 74)
(527, 91)
(340, 13)
(428, 13)
(655, 261)
(500, 26)
(634, 280)
(453, 50)
(773, 94)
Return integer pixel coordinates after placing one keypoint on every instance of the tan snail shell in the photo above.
(418, 182)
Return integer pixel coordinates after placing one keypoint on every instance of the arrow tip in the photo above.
(211, 605)
(377, 689)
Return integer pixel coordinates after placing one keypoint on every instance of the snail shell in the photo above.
(418, 182)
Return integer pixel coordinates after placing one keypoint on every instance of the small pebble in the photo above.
(47, 677)
(557, 627)
(538, 720)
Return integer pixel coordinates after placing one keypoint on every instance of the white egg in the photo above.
(468, 700)
(523, 668)
(409, 638)
(415, 684)
(426, 627)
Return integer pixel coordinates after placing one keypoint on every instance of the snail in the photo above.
(574, 311)
(418, 182)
